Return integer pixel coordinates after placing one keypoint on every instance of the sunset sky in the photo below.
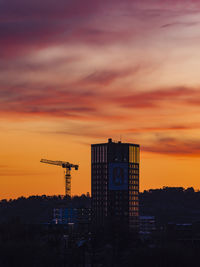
(76, 72)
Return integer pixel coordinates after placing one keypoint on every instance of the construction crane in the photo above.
(67, 166)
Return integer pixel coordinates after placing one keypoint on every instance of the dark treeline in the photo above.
(169, 204)
(37, 209)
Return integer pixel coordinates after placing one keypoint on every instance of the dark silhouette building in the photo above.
(115, 183)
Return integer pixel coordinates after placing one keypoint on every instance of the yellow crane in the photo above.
(67, 166)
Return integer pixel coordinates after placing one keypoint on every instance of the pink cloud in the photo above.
(154, 99)
(160, 129)
(52, 101)
(107, 77)
(174, 147)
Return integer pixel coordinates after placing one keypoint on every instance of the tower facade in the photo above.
(115, 183)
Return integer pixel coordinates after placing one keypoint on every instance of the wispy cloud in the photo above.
(79, 104)
(175, 147)
(171, 128)
(184, 24)
(154, 99)
(108, 76)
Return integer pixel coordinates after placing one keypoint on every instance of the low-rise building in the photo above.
(79, 217)
(147, 224)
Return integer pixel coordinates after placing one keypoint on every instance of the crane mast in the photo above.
(67, 166)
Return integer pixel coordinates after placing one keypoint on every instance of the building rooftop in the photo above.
(110, 141)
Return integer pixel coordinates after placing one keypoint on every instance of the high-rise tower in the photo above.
(115, 183)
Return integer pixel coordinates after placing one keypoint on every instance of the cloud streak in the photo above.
(174, 147)
(155, 98)
(79, 104)
(170, 128)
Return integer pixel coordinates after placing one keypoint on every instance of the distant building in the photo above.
(147, 224)
(115, 183)
(76, 216)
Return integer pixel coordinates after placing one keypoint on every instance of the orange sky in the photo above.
(79, 72)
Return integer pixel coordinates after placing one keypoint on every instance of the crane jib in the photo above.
(68, 166)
